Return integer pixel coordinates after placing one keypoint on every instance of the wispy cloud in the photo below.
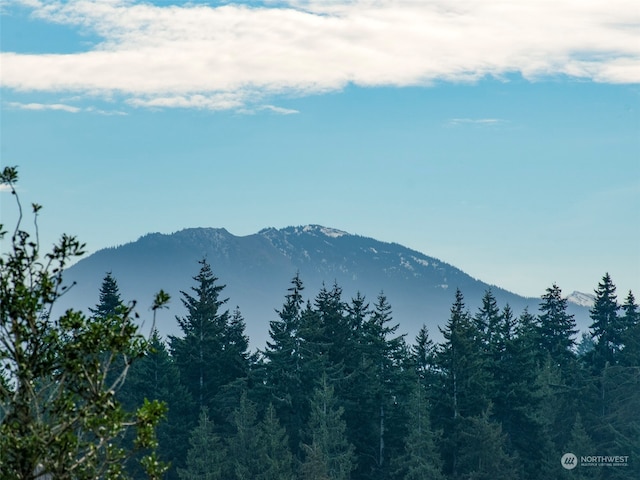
(225, 57)
(476, 121)
(279, 110)
(44, 106)
(62, 107)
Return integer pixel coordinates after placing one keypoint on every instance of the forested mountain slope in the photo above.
(257, 269)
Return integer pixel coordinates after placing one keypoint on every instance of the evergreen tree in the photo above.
(514, 394)
(585, 346)
(482, 454)
(606, 328)
(198, 351)
(463, 372)
(212, 354)
(462, 365)
(283, 363)
(557, 328)
(630, 355)
(487, 321)
(580, 444)
(235, 360)
(420, 458)
(244, 445)
(206, 456)
(423, 354)
(276, 459)
(555, 412)
(155, 376)
(110, 302)
(328, 453)
(387, 368)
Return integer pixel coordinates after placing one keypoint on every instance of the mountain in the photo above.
(257, 270)
(583, 299)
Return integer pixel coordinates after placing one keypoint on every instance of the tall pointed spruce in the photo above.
(283, 366)
(206, 456)
(557, 328)
(328, 454)
(607, 327)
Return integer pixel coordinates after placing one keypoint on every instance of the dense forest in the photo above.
(337, 394)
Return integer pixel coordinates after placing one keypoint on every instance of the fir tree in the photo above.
(606, 328)
(206, 456)
(155, 376)
(212, 355)
(110, 302)
(244, 444)
(283, 363)
(557, 328)
(203, 327)
(275, 456)
(630, 355)
(386, 363)
(482, 454)
(328, 453)
(420, 458)
(487, 321)
(423, 354)
(463, 372)
(580, 444)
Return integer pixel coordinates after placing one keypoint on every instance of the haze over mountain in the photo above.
(257, 270)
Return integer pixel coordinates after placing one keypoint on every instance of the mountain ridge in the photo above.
(257, 270)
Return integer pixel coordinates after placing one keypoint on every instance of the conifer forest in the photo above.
(335, 393)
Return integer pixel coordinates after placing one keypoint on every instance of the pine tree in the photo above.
(423, 354)
(244, 444)
(462, 364)
(386, 363)
(420, 458)
(482, 454)
(580, 444)
(463, 373)
(557, 328)
(606, 329)
(212, 354)
(276, 459)
(514, 393)
(284, 363)
(198, 351)
(155, 376)
(630, 355)
(328, 453)
(110, 302)
(206, 456)
(487, 321)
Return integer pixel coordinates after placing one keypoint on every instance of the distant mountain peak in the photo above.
(312, 229)
(327, 231)
(582, 299)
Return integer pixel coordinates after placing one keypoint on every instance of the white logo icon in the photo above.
(569, 461)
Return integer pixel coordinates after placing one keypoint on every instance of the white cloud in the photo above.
(62, 107)
(44, 106)
(476, 121)
(279, 110)
(225, 57)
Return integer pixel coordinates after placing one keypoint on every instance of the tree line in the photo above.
(337, 393)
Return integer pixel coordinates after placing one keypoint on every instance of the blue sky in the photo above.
(501, 137)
